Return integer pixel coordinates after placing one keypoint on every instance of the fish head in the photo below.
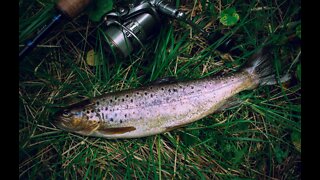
(71, 120)
(77, 118)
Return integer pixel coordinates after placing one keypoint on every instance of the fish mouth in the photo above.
(61, 123)
(63, 126)
(68, 124)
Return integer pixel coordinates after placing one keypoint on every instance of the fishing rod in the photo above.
(65, 10)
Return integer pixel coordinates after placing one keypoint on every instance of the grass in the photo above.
(257, 140)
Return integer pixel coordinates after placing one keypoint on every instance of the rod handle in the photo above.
(72, 8)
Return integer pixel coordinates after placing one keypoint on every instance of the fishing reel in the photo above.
(130, 28)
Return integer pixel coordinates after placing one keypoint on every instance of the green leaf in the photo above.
(298, 72)
(229, 17)
(98, 8)
(298, 31)
(296, 140)
(239, 155)
(280, 154)
(190, 139)
(212, 9)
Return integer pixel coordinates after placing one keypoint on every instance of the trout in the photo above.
(159, 108)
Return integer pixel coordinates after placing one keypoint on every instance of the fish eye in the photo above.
(66, 113)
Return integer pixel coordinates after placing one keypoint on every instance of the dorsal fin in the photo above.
(169, 79)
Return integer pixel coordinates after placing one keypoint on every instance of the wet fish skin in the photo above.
(159, 108)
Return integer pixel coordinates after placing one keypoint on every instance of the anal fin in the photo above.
(170, 128)
(231, 102)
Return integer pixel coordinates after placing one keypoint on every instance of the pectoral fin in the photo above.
(118, 130)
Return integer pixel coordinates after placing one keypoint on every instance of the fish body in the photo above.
(158, 108)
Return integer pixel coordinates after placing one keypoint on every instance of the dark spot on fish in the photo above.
(122, 100)
(120, 121)
(111, 119)
(151, 95)
(151, 87)
(162, 89)
(106, 108)
(98, 103)
(175, 90)
(180, 87)
(125, 115)
(115, 98)
(98, 110)
(137, 92)
(127, 106)
(90, 117)
(131, 100)
(145, 93)
(169, 90)
(127, 95)
(98, 121)
(110, 100)
(192, 87)
(88, 112)
(92, 110)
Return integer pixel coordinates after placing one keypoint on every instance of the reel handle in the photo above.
(167, 9)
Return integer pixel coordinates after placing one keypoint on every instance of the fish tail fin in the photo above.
(260, 66)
